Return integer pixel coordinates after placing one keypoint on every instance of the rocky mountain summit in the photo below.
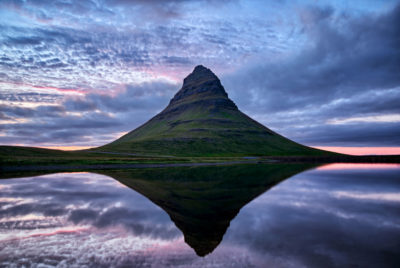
(202, 81)
(200, 88)
(201, 120)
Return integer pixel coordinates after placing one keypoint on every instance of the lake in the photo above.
(276, 215)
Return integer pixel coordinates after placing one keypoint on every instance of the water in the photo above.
(341, 215)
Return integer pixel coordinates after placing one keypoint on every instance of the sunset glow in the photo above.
(67, 148)
(344, 166)
(362, 150)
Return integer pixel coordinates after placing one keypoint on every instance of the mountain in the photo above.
(201, 120)
(202, 201)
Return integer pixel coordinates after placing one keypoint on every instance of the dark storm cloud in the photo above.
(340, 63)
(345, 71)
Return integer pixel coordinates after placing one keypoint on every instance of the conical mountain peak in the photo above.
(201, 120)
(200, 74)
(202, 83)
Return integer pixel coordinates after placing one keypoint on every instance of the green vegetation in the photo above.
(22, 156)
(226, 133)
(14, 158)
(202, 121)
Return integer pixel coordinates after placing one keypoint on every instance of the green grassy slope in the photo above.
(202, 121)
(31, 156)
(226, 133)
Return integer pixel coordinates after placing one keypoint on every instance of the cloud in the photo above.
(357, 134)
(114, 63)
(93, 118)
(30, 97)
(340, 63)
(52, 125)
(349, 67)
(145, 96)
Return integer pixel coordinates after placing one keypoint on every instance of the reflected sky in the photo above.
(77, 218)
(346, 217)
(325, 217)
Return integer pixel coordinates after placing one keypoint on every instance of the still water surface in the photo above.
(340, 215)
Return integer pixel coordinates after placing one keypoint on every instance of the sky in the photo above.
(78, 74)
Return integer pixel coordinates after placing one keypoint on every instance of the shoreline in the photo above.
(389, 159)
(118, 166)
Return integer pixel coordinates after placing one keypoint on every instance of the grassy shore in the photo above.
(14, 158)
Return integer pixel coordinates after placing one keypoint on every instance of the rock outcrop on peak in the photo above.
(202, 83)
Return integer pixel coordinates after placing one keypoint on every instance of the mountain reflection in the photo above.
(325, 217)
(202, 201)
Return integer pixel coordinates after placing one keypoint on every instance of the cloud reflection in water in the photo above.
(325, 218)
(319, 218)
